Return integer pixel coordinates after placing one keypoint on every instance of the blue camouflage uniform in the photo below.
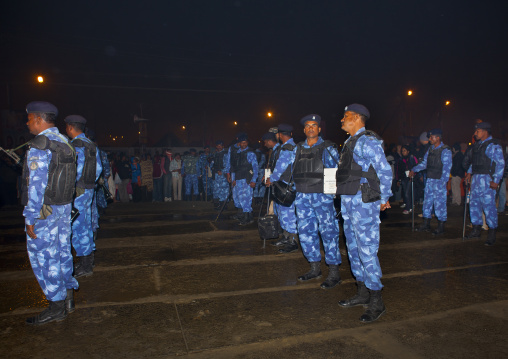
(435, 188)
(259, 190)
(361, 220)
(82, 231)
(99, 199)
(191, 169)
(50, 253)
(483, 198)
(207, 181)
(220, 182)
(243, 188)
(315, 212)
(286, 215)
(227, 161)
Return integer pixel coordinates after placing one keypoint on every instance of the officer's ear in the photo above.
(319, 129)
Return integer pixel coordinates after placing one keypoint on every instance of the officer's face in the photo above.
(480, 135)
(348, 121)
(207, 151)
(244, 144)
(32, 124)
(269, 143)
(311, 129)
(219, 148)
(433, 139)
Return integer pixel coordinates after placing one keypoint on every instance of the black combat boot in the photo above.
(55, 312)
(475, 233)
(315, 272)
(425, 226)
(239, 214)
(440, 228)
(247, 219)
(282, 241)
(291, 246)
(93, 259)
(375, 309)
(333, 277)
(362, 297)
(69, 301)
(84, 268)
(491, 237)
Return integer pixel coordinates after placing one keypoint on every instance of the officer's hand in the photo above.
(494, 185)
(30, 231)
(253, 184)
(467, 178)
(268, 183)
(411, 174)
(228, 176)
(219, 173)
(233, 183)
(385, 205)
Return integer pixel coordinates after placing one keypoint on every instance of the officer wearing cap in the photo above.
(220, 182)
(244, 179)
(438, 163)
(485, 173)
(191, 168)
(47, 190)
(231, 161)
(206, 176)
(281, 164)
(364, 179)
(258, 192)
(89, 168)
(314, 209)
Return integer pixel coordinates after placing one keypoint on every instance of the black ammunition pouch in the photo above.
(87, 179)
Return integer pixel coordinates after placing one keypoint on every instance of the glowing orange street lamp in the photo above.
(183, 127)
(40, 79)
(236, 123)
(409, 93)
(269, 114)
(447, 103)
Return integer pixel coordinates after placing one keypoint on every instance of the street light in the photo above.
(269, 114)
(236, 123)
(183, 127)
(447, 103)
(40, 79)
(409, 93)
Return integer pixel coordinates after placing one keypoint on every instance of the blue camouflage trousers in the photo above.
(316, 214)
(435, 196)
(207, 185)
(191, 182)
(483, 199)
(50, 253)
(361, 228)
(82, 233)
(220, 188)
(244, 195)
(236, 199)
(286, 216)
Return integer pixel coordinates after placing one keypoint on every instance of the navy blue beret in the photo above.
(219, 142)
(240, 134)
(483, 126)
(436, 132)
(242, 137)
(41, 107)
(283, 127)
(359, 109)
(269, 136)
(75, 119)
(311, 117)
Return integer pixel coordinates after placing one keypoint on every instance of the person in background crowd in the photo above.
(502, 191)
(259, 191)
(136, 179)
(404, 164)
(146, 177)
(220, 182)
(158, 180)
(124, 173)
(176, 171)
(190, 171)
(205, 175)
(457, 173)
(168, 178)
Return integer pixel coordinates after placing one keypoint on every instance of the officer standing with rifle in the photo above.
(364, 180)
(89, 168)
(47, 191)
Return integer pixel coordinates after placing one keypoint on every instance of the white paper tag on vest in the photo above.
(268, 173)
(330, 183)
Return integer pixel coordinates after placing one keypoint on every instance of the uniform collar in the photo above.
(49, 130)
(488, 138)
(246, 148)
(319, 141)
(276, 145)
(290, 141)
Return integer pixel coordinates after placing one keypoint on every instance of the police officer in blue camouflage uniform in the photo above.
(190, 171)
(89, 167)
(220, 182)
(47, 190)
(485, 173)
(438, 163)
(204, 164)
(231, 160)
(281, 164)
(244, 178)
(259, 191)
(364, 179)
(314, 209)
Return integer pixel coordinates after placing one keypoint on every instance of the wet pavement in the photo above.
(169, 281)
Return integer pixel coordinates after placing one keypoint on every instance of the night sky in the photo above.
(206, 64)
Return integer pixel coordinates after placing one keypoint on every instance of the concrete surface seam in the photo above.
(181, 329)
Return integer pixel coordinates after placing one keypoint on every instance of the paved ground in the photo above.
(171, 282)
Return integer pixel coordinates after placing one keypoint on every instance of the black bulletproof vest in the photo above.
(349, 173)
(434, 163)
(243, 169)
(308, 173)
(481, 163)
(218, 161)
(233, 158)
(87, 179)
(61, 172)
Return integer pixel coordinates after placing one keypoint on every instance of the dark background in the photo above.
(206, 64)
